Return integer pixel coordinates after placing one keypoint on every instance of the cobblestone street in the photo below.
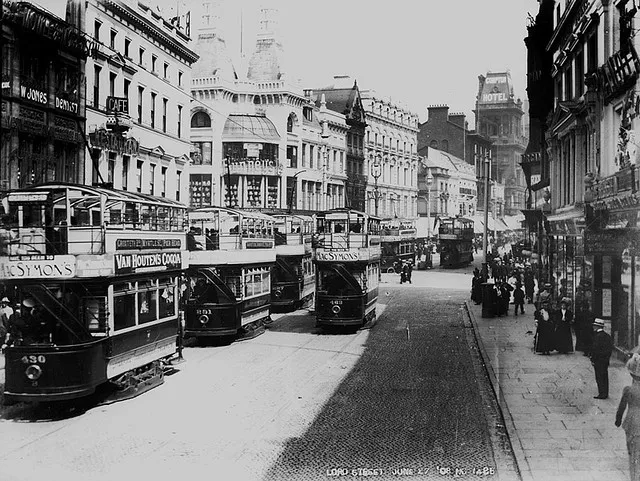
(416, 403)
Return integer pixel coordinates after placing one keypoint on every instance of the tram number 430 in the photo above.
(336, 302)
(34, 359)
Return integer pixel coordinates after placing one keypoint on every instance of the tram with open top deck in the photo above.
(456, 241)
(293, 278)
(231, 255)
(94, 277)
(347, 258)
(397, 243)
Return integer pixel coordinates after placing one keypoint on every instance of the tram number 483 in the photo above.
(34, 359)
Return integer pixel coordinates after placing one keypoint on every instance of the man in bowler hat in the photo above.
(600, 354)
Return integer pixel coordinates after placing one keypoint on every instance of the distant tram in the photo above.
(397, 243)
(229, 278)
(347, 258)
(456, 241)
(293, 279)
(94, 274)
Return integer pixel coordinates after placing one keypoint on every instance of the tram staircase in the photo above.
(68, 319)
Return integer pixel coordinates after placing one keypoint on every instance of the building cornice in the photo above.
(142, 24)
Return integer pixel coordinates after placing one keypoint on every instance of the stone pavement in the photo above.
(558, 431)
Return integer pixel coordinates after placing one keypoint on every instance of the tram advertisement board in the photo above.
(134, 263)
(38, 267)
(347, 256)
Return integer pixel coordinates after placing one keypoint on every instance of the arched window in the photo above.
(445, 145)
(200, 119)
(434, 144)
(290, 121)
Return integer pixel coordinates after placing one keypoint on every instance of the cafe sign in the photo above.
(134, 263)
(46, 267)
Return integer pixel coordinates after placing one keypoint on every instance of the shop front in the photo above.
(612, 240)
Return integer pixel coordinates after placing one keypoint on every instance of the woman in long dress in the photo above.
(544, 340)
(630, 402)
(563, 319)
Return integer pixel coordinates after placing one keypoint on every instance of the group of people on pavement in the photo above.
(406, 269)
(24, 323)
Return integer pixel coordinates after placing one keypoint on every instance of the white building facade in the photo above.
(391, 157)
(138, 99)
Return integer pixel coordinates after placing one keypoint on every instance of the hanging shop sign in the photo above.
(118, 105)
(160, 261)
(105, 140)
(131, 244)
(619, 72)
(248, 165)
(45, 267)
(611, 241)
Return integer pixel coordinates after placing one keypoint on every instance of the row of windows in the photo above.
(156, 111)
(122, 171)
(382, 140)
(393, 114)
(140, 302)
(114, 44)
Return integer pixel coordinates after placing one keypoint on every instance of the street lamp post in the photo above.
(376, 171)
(293, 187)
(487, 173)
(429, 184)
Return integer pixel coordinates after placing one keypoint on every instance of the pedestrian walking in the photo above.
(403, 274)
(630, 402)
(563, 319)
(518, 299)
(529, 284)
(544, 338)
(600, 353)
(409, 266)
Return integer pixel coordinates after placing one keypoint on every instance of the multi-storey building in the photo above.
(451, 190)
(499, 117)
(593, 226)
(391, 157)
(344, 97)
(43, 98)
(260, 141)
(138, 100)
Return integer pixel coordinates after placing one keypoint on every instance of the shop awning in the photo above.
(567, 222)
(249, 128)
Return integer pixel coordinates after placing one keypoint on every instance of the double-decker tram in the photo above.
(397, 243)
(229, 277)
(293, 278)
(456, 241)
(93, 274)
(347, 257)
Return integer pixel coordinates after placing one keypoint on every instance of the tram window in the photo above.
(32, 215)
(93, 309)
(124, 306)
(233, 283)
(147, 300)
(166, 301)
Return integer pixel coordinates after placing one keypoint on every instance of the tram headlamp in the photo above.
(278, 293)
(335, 309)
(203, 319)
(33, 372)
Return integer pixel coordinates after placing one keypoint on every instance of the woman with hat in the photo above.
(544, 339)
(563, 318)
(630, 402)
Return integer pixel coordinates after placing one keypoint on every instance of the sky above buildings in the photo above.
(417, 53)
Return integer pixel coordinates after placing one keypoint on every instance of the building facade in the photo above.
(138, 98)
(392, 158)
(43, 98)
(499, 117)
(259, 140)
(592, 228)
(344, 98)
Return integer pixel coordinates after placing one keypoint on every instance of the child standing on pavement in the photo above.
(518, 298)
(631, 403)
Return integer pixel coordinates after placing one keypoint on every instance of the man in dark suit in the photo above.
(600, 354)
